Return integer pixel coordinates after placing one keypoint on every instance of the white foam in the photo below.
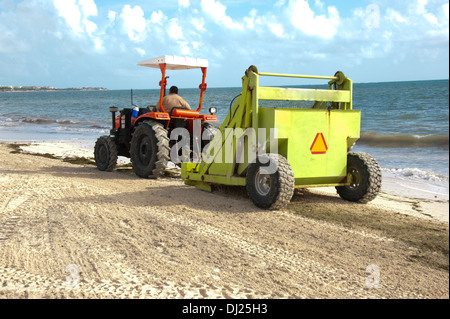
(415, 173)
(416, 183)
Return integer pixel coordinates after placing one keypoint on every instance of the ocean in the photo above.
(405, 125)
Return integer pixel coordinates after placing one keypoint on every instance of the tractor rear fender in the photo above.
(162, 118)
(209, 118)
(154, 115)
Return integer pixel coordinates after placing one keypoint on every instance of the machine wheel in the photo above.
(105, 153)
(365, 178)
(271, 191)
(211, 129)
(149, 150)
(208, 132)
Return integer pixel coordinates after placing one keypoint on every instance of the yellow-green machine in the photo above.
(271, 150)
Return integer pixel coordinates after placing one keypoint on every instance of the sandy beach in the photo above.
(68, 230)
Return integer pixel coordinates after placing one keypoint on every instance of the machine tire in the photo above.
(366, 179)
(210, 131)
(271, 191)
(149, 150)
(105, 153)
(210, 128)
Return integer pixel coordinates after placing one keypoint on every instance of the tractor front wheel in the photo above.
(149, 150)
(105, 153)
(270, 182)
(365, 178)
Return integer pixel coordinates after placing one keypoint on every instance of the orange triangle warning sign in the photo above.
(319, 146)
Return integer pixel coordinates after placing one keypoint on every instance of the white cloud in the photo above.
(69, 10)
(250, 21)
(319, 4)
(76, 14)
(98, 45)
(174, 30)
(183, 3)
(88, 7)
(392, 15)
(217, 11)
(157, 17)
(277, 29)
(413, 34)
(420, 6)
(134, 22)
(305, 19)
(185, 50)
(199, 24)
(431, 18)
(90, 26)
(112, 15)
(140, 51)
(421, 9)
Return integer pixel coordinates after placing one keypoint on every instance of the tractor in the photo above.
(292, 147)
(144, 136)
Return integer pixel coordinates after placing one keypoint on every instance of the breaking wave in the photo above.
(38, 120)
(416, 173)
(404, 140)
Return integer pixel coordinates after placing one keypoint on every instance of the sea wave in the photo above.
(368, 138)
(403, 140)
(39, 120)
(415, 173)
(92, 129)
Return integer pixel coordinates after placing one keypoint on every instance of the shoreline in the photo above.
(412, 197)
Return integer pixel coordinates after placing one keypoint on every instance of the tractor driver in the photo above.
(174, 100)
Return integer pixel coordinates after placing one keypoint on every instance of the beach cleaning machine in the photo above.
(271, 150)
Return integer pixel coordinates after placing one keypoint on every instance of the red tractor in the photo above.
(143, 136)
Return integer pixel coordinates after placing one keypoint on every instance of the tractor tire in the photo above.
(105, 153)
(271, 191)
(149, 150)
(365, 179)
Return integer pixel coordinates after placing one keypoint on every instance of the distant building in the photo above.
(6, 87)
(11, 88)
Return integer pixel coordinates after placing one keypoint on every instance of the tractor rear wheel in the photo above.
(365, 175)
(105, 153)
(272, 189)
(149, 150)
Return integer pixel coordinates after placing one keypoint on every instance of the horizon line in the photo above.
(96, 88)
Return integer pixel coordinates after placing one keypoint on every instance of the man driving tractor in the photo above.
(174, 100)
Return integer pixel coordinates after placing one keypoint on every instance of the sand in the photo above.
(404, 196)
(70, 231)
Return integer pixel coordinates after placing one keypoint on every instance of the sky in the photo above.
(77, 43)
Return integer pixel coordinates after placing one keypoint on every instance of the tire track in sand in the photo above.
(10, 214)
(315, 278)
(19, 283)
(133, 283)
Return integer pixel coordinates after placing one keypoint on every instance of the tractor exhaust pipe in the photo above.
(113, 110)
(165, 88)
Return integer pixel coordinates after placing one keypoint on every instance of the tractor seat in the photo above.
(184, 113)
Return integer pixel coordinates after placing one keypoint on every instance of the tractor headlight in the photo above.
(212, 110)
